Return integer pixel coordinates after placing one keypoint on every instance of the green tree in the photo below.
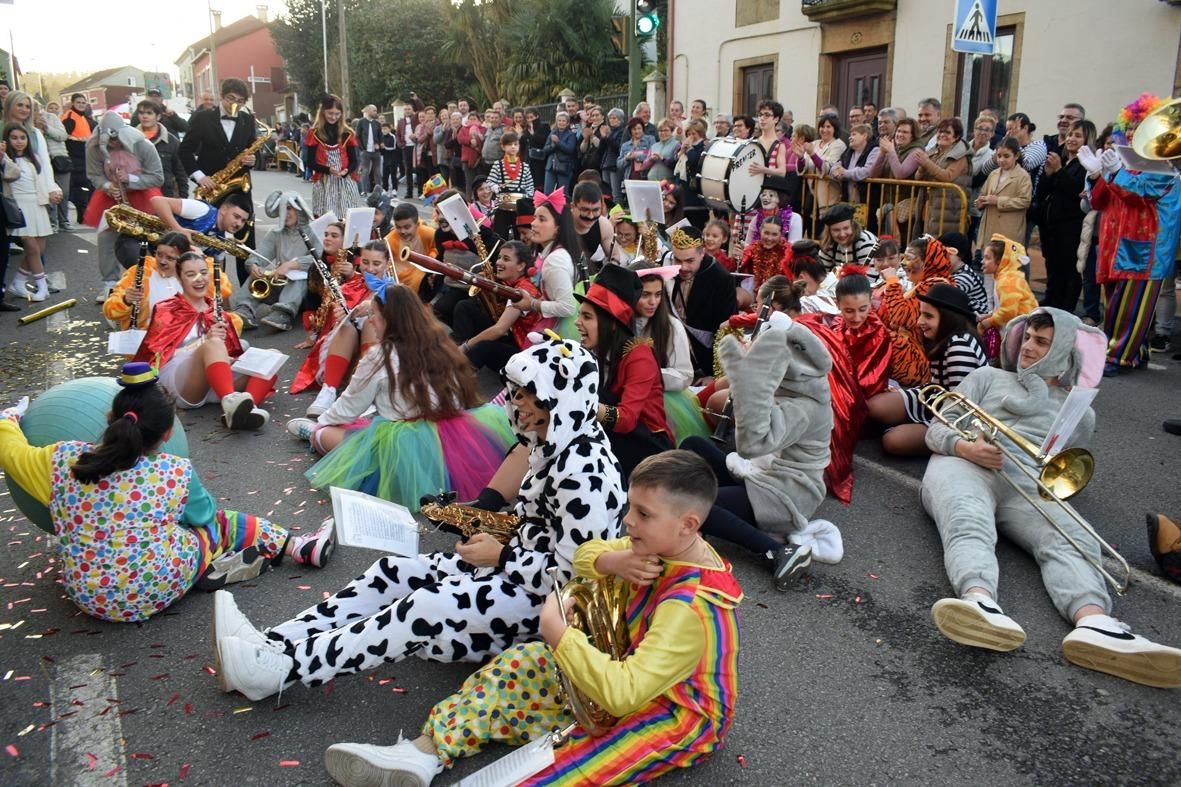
(477, 39)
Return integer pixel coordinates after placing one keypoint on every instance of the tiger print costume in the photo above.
(900, 312)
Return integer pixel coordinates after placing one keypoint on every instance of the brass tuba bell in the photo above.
(1158, 137)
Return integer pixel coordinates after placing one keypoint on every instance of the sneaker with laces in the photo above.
(790, 563)
(240, 413)
(365, 765)
(323, 401)
(232, 567)
(278, 319)
(315, 548)
(228, 621)
(1164, 542)
(252, 670)
(1104, 644)
(977, 621)
(301, 428)
(1160, 344)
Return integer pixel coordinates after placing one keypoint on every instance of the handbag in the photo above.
(14, 218)
(61, 164)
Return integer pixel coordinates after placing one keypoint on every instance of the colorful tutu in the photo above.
(565, 327)
(404, 460)
(685, 419)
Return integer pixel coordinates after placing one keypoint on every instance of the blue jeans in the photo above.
(1092, 294)
(553, 180)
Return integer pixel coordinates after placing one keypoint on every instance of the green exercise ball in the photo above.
(75, 410)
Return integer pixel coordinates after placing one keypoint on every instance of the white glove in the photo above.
(17, 411)
(1090, 161)
(1112, 163)
(780, 320)
(738, 466)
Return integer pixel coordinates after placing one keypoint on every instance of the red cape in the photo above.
(869, 347)
(354, 291)
(172, 319)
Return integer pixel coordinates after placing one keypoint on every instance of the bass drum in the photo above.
(725, 183)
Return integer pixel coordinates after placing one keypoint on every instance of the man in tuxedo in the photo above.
(215, 137)
(369, 144)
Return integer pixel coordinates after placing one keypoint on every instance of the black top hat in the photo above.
(842, 211)
(616, 290)
(946, 296)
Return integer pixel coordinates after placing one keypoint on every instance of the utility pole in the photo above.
(213, 88)
(634, 82)
(345, 85)
(324, 35)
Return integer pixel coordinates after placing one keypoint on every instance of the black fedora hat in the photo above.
(947, 296)
(616, 290)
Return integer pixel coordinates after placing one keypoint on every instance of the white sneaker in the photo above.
(104, 290)
(364, 765)
(228, 621)
(977, 621)
(252, 670)
(323, 401)
(40, 288)
(1102, 643)
(20, 283)
(301, 428)
(240, 413)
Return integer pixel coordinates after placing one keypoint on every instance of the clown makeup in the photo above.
(528, 415)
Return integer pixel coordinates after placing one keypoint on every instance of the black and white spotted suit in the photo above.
(441, 608)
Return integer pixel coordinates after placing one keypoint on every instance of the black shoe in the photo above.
(1172, 426)
(1160, 344)
(5, 306)
(791, 562)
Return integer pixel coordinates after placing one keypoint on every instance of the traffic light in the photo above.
(619, 34)
(647, 20)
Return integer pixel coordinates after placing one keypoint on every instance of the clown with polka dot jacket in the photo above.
(476, 602)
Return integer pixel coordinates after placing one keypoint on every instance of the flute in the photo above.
(462, 274)
(726, 419)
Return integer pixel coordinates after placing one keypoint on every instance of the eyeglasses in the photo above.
(1069, 117)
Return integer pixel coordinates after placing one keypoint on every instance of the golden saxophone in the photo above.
(469, 520)
(231, 177)
(126, 220)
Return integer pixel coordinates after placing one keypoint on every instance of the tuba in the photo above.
(597, 608)
(1158, 137)
(1058, 477)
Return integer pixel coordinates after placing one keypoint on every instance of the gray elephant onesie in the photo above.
(783, 421)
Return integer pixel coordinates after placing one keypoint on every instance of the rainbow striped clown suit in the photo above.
(674, 693)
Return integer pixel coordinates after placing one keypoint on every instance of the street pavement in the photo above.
(843, 681)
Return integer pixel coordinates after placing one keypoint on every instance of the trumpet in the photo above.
(1058, 477)
(260, 288)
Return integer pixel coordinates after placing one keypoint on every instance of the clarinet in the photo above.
(330, 282)
(139, 282)
(217, 310)
(724, 429)
(583, 271)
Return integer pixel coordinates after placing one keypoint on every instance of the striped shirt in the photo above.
(858, 253)
(970, 283)
(961, 355)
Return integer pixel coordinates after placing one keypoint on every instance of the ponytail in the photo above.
(140, 417)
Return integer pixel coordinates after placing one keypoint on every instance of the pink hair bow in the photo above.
(556, 199)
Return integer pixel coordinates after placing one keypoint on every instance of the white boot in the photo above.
(42, 288)
(324, 400)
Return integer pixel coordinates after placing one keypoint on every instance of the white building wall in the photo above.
(1090, 51)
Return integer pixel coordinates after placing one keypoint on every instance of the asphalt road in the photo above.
(844, 681)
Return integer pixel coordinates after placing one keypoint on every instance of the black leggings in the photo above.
(493, 353)
(732, 517)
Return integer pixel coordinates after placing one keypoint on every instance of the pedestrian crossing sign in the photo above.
(975, 26)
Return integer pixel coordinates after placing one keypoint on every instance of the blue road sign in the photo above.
(975, 26)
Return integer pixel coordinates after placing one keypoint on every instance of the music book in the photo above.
(358, 226)
(125, 342)
(257, 362)
(372, 523)
(318, 226)
(514, 768)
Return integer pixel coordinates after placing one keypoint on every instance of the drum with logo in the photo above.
(726, 183)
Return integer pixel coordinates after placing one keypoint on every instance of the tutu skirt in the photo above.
(685, 419)
(565, 327)
(404, 460)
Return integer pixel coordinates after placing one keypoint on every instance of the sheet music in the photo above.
(318, 226)
(258, 362)
(358, 226)
(372, 523)
(1073, 409)
(645, 202)
(125, 342)
(514, 768)
(458, 216)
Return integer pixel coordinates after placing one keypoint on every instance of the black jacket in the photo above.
(712, 300)
(537, 140)
(365, 129)
(176, 180)
(206, 148)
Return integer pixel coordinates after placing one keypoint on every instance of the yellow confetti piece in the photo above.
(246, 709)
(26, 730)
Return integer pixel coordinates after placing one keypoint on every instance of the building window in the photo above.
(986, 80)
(758, 83)
(751, 12)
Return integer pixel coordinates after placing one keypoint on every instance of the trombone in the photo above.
(1058, 477)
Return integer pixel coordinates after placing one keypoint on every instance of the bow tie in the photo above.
(228, 117)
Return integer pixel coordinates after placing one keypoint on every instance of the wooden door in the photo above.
(860, 78)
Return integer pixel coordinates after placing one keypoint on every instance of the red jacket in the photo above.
(349, 160)
(172, 319)
(640, 389)
(354, 291)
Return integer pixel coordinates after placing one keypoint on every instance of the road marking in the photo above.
(90, 731)
(1139, 576)
(56, 280)
(1156, 367)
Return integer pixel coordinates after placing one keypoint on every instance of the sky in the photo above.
(90, 35)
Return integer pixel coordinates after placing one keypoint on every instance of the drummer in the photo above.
(510, 180)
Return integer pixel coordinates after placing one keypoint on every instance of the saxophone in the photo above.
(469, 520)
(228, 179)
(126, 220)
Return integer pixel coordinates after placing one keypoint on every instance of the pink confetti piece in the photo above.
(209, 669)
(303, 587)
(113, 771)
(141, 755)
(184, 771)
(399, 690)
(188, 708)
(857, 600)
(824, 595)
(12, 750)
(288, 763)
(874, 576)
(741, 761)
(258, 736)
(172, 700)
(161, 676)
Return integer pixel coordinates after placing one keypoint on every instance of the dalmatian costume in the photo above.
(439, 607)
